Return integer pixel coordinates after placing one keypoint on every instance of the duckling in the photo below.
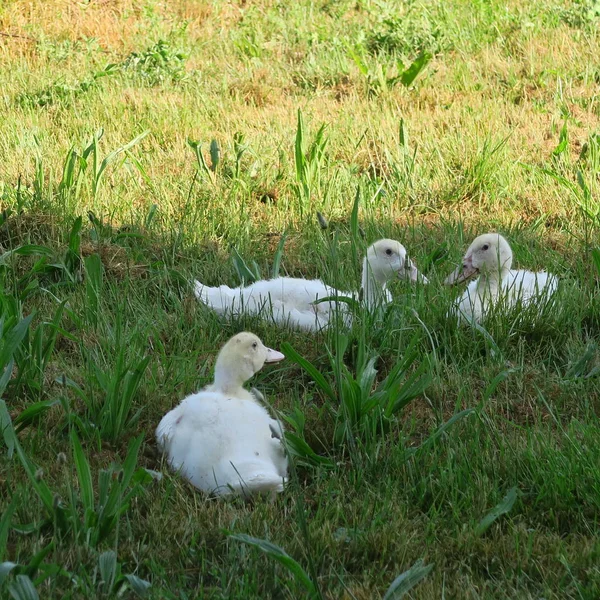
(490, 256)
(221, 438)
(291, 301)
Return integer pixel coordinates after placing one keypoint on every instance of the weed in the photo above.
(360, 411)
(61, 92)
(157, 64)
(309, 165)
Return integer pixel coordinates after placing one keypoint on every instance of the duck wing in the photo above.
(525, 286)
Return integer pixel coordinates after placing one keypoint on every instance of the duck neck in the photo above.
(372, 286)
(490, 281)
(229, 378)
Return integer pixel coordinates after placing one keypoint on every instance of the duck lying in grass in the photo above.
(490, 257)
(221, 439)
(291, 301)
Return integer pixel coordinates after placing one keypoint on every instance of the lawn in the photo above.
(147, 144)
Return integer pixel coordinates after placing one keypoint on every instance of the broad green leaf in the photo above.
(410, 74)
(33, 412)
(34, 564)
(305, 454)
(282, 557)
(139, 586)
(107, 565)
(215, 155)
(407, 581)
(500, 509)
(563, 141)
(316, 375)
(5, 569)
(23, 589)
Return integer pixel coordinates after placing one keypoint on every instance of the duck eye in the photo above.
(389, 251)
(485, 247)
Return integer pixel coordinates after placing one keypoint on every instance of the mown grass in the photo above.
(225, 104)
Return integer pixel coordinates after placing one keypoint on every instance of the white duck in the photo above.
(221, 439)
(291, 300)
(490, 256)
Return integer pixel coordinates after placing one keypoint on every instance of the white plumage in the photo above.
(291, 301)
(222, 439)
(490, 256)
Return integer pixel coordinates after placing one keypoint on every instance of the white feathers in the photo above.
(284, 300)
(221, 439)
(490, 256)
(291, 301)
(223, 445)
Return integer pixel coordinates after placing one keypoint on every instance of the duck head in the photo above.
(387, 259)
(489, 255)
(240, 358)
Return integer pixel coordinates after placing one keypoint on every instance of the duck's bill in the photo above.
(273, 356)
(461, 274)
(413, 275)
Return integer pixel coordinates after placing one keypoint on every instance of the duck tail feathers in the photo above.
(219, 298)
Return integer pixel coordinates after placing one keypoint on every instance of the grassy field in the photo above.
(144, 144)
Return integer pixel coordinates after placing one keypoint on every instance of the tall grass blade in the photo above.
(93, 285)
(354, 226)
(84, 474)
(596, 259)
(245, 273)
(11, 342)
(5, 523)
(278, 255)
(299, 149)
(98, 173)
(7, 375)
(442, 429)
(10, 438)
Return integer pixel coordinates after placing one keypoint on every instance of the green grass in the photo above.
(147, 144)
